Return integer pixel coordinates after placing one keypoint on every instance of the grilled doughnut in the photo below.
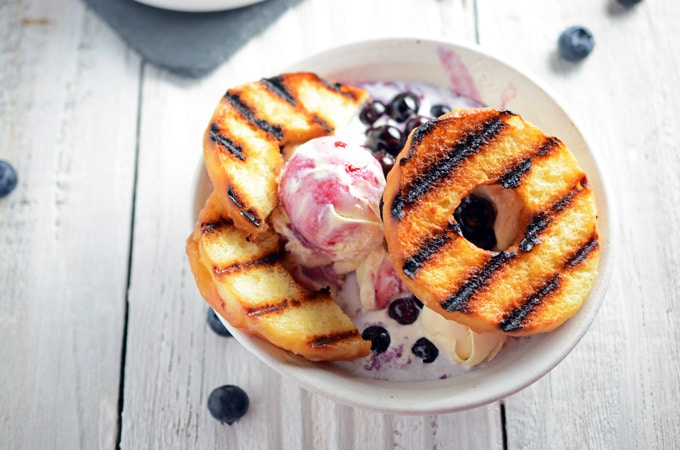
(545, 273)
(247, 284)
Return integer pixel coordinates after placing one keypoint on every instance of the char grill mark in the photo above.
(581, 254)
(418, 135)
(266, 310)
(459, 300)
(515, 319)
(223, 141)
(337, 87)
(548, 146)
(322, 122)
(468, 144)
(277, 86)
(217, 225)
(539, 223)
(285, 304)
(565, 201)
(428, 248)
(333, 338)
(242, 266)
(513, 177)
(248, 213)
(235, 101)
(251, 216)
(542, 220)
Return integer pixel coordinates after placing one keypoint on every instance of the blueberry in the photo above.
(385, 137)
(475, 213)
(405, 310)
(385, 159)
(371, 112)
(379, 337)
(476, 216)
(228, 403)
(575, 43)
(216, 325)
(485, 238)
(414, 122)
(439, 109)
(403, 106)
(8, 178)
(425, 350)
(628, 3)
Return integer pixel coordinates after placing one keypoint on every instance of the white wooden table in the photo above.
(103, 338)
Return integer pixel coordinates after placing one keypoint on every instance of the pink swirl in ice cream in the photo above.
(378, 281)
(330, 192)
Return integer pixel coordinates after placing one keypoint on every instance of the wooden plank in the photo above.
(619, 388)
(68, 108)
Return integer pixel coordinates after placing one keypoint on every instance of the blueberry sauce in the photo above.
(397, 110)
(403, 105)
(439, 109)
(371, 112)
(386, 138)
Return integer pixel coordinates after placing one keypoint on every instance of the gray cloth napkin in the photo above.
(188, 44)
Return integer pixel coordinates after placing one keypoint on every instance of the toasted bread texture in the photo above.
(251, 126)
(544, 276)
(245, 281)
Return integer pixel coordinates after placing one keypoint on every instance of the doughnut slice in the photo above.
(245, 282)
(251, 126)
(545, 274)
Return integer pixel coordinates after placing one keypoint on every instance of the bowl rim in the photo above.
(428, 397)
(198, 6)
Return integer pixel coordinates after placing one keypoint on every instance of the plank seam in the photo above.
(476, 20)
(123, 355)
(504, 430)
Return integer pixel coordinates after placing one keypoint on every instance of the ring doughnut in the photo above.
(546, 270)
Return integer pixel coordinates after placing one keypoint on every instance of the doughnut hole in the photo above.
(505, 223)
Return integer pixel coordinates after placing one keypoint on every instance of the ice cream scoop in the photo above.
(330, 191)
(460, 343)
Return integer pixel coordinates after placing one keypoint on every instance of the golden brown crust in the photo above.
(545, 275)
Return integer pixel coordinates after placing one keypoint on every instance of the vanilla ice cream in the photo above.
(460, 343)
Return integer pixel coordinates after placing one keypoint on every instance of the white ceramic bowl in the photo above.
(495, 83)
(198, 5)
